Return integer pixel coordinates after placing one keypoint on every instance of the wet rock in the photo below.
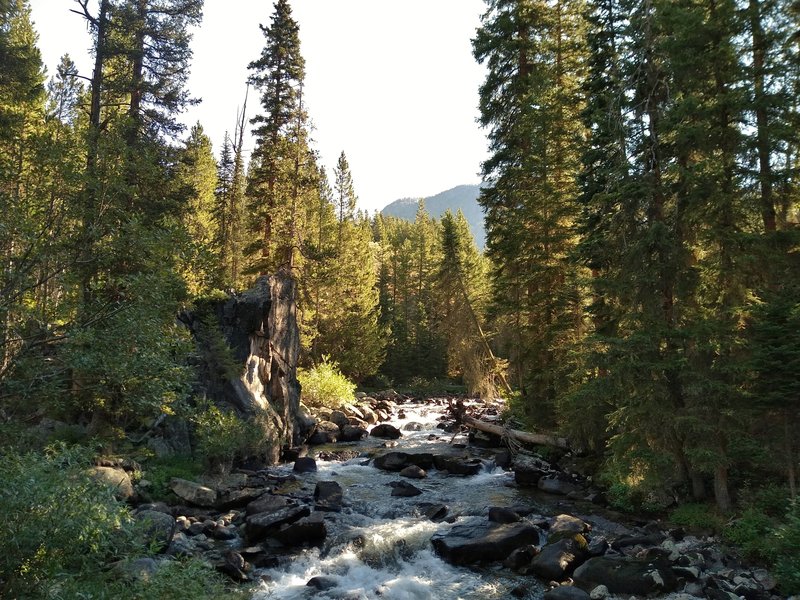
(117, 479)
(238, 498)
(566, 592)
(328, 496)
(625, 576)
(193, 493)
(498, 514)
(520, 559)
(529, 470)
(305, 464)
(598, 546)
(599, 593)
(566, 525)
(267, 503)
(458, 466)
(308, 530)
(435, 512)
(261, 525)
(413, 426)
(653, 539)
(234, 566)
(414, 472)
(322, 583)
(557, 560)
(339, 418)
(484, 542)
(156, 528)
(397, 461)
(553, 485)
(352, 433)
(222, 532)
(404, 489)
(386, 432)
(326, 432)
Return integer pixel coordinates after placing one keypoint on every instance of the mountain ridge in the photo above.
(461, 197)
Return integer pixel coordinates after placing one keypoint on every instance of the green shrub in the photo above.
(57, 520)
(696, 516)
(159, 471)
(787, 542)
(325, 386)
(751, 533)
(222, 437)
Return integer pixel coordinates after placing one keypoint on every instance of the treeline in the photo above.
(112, 220)
(643, 219)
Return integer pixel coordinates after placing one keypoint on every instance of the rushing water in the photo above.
(379, 545)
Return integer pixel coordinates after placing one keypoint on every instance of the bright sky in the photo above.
(391, 82)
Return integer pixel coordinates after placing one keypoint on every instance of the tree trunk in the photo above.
(526, 437)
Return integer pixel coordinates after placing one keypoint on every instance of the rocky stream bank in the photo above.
(389, 499)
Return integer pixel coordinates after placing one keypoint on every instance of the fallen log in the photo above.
(525, 437)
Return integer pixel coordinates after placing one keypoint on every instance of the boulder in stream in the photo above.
(262, 525)
(305, 464)
(566, 592)
(626, 576)
(328, 496)
(413, 472)
(192, 492)
(456, 465)
(469, 543)
(404, 489)
(557, 560)
(308, 530)
(397, 461)
(386, 432)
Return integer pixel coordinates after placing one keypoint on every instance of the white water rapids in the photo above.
(379, 546)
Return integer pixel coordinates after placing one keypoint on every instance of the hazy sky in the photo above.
(391, 82)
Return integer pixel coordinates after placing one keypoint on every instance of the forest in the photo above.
(639, 293)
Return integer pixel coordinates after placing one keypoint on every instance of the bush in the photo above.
(159, 472)
(696, 516)
(787, 565)
(222, 437)
(325, 386)
(57, 519)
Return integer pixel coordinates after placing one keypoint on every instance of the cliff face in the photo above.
(248, 347)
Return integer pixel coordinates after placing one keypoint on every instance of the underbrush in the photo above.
(324, 386)
(64, 533)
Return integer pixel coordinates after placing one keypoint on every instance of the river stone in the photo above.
(625, 576)
(305, 464)
(308, 530)
(566, 592)
(413, 472)
(567, 525)
(262, 525)
(322, 582)
(404, 489)
(338, 417)
(238, 498)
(458, 466)
(386, 432)
(156, 527)
(528, 470)
(435, 512)
(520, 559)
(267, 503)
(192, 492)
(117, 479)
(328, 496)
(553, 485)
(498, 514)
(326, 432)
(556, 561)
(352, 433)
(397, 461)
(468, 543)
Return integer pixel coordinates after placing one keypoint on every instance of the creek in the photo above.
(379, 545)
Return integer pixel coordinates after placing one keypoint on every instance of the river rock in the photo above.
(458, 466)
(353, 433)
(234, 566)
(193, 493)
(553, 485)
(238, 498)
(339, 418)
(498, 514)
(404, 489)
(557, 560)
(435, 512)
(520, 559)
(117, 479)
(328, 496)
(483, 542)
(308, 530)
(326, 432)
(566, 592)
(156, 528)
(566, 525)
(386, 431)
(528, 470)
(397, 461)
(305, 464)
(322, 583)
(261, 525)
(625, 576)
(267, 503)
(414, 472)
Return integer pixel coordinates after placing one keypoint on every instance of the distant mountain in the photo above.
(463, 197)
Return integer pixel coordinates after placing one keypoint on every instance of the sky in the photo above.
(392, 83)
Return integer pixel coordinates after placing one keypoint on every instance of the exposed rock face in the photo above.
(259, 327)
